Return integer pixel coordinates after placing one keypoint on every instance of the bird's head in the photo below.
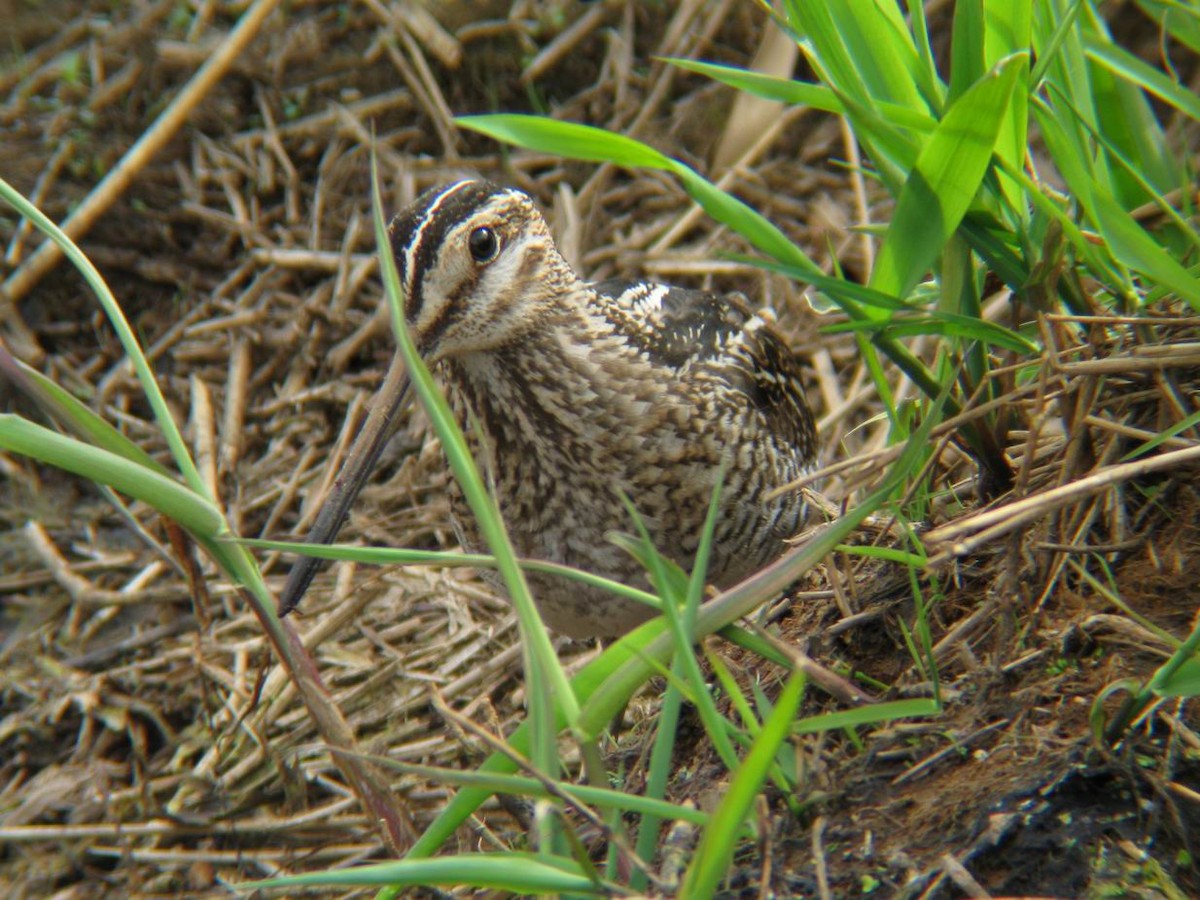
(478, 267)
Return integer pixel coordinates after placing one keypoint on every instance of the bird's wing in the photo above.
(718, 335)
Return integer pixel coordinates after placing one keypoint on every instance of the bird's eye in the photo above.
(483, 245)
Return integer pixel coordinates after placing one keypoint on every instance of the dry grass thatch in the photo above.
(149, 742)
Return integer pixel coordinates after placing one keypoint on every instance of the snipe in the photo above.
(581, 392)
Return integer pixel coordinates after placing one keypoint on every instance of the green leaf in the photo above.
(868, 715)
(526, 786)
(520, 873)
(68, 411)
(596, 145)
(567, 139)
(1184, 424)
(1121, 62)
(878, 42)
(1125, 240)
(170, 498)
(1008, 32)
(133, 350)
(1178, 18)
(800, 93)
(1009, 28)
(943, 323)
(946, 178)
(1183, 682)
(1126, 120)
(402, 556)
(719, 839)
(1133, 246)
(769, 87)
(745, 220)
(967, 63)
(892, 151)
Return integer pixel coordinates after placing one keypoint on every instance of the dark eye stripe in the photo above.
(452, 310)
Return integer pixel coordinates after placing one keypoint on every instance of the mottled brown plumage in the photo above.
(580, 392)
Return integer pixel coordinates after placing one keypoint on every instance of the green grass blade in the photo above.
(1094, 258)
(891, 150)
(659, 772)
(1009, 32)
(164, 494)
(1135, 173)
(801, 93)
(719, 840)
(942, 323)
(677, 591)
(617, 673)
(1121, 62)
(945, 180)
(826, 51)
(882, 50)
(71, 413)
(402, 556)
(1133, 246)
(769, 87)
(596, 145)
(1180, 666)
(868, 715)
(519, 873)
(1047, 44)
(567, 139)
(1184, 681)
(522, 785)
(1184, 424)
(1178, 18)
(1009, 28)
(1124, 116)
(894, 555)
(125, 335)
(967, 56)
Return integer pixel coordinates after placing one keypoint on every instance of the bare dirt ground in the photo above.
(149, 743)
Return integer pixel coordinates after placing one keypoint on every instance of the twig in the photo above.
(819, 861)
(833, 684)
(962, 879)
(992, 523)
(566, 41)
(113, 185)
(954, 747)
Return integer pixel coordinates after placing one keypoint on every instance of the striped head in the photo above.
(478, 267)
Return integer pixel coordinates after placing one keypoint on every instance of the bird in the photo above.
(575, 394)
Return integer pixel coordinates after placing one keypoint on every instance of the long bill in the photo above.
(357, 468)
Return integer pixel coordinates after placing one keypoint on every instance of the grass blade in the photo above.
(945, 180)
(70, 412)
(520, 873)
(719, 840)
(170, 498)
(133, 350)
(801, 93)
